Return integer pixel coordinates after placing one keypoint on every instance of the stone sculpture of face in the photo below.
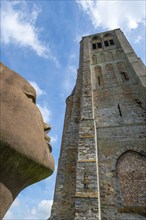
(25, 150)
(22, 126)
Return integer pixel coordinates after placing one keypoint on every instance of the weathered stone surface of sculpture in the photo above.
(25, 151)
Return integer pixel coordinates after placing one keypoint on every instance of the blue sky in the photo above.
(40, 41)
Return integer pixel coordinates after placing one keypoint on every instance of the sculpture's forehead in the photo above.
(11, 78)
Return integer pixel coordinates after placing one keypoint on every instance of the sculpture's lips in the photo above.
(47, 139)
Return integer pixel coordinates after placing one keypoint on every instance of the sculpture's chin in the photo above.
(27, 170)
(36, 150)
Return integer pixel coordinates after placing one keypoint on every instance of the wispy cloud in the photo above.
(18, 26)
(138, 39)
(42, 210)
(46, 113)
(38, 90)
(54, 139)
(114, 14)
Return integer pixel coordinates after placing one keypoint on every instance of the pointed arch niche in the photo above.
(94, 59)
(110, 73)
(102, 58)
(98, 77)
(110, 56)
(130, 169)
(123, 72)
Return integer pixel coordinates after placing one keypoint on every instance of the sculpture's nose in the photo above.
(47, 128)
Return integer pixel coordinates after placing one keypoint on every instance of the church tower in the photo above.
(102, 167)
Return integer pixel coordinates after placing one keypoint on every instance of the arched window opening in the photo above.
(99, 45)
(94, 59)
(125, 76)
(99, 80)
(96, 43)
(130, 169)
(123, 72)
(94, 46)
(111, 42)
(106, 43)
(98, 76)
(108, 40)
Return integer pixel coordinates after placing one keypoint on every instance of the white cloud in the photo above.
(54, 139)
(18, 26)
(42, 210)
(46, 113)
(71, 69)
(114, 14)
(39, 91)
(138, 39)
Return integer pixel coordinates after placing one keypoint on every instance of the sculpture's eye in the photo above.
(31, 96)
(47, 128)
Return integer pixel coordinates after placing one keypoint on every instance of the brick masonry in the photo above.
(102, 161)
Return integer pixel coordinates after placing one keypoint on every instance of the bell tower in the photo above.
(101, 167)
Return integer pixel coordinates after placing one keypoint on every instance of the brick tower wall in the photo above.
(102, 162)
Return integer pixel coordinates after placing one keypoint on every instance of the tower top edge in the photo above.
(101, 33)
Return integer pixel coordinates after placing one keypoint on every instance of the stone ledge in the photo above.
(133, 209)
(87, 136)
(88, 161)
(87, 194)
(105, 205)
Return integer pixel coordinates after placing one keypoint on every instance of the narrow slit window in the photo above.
(106, 43)
(119, 110)
(86, 182)
(98, 80)
(94, 46)
(125, 76)
(85, 186)
(111, 42)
